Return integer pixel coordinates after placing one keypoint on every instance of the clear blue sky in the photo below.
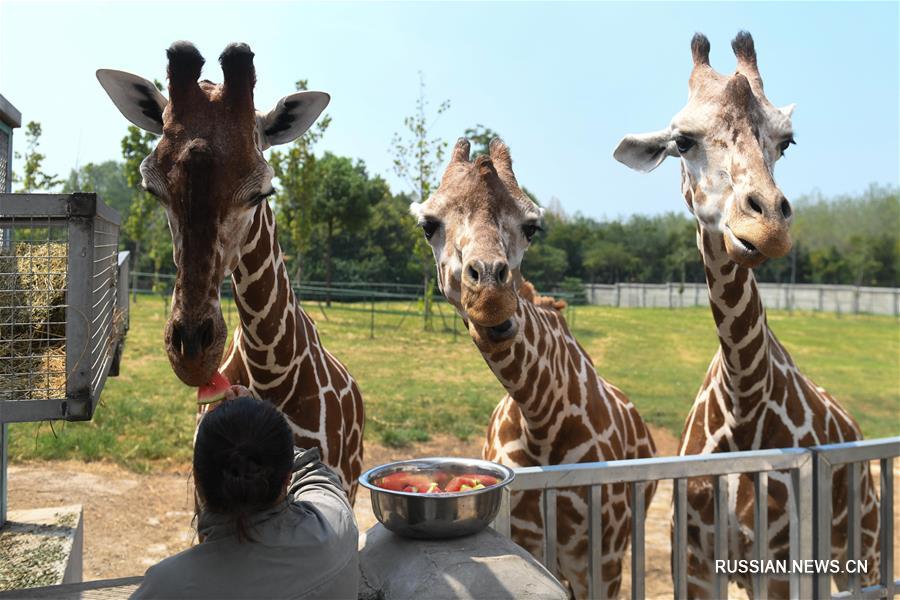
(561, 82)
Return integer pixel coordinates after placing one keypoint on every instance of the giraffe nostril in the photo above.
(473, 273)
(206, 333)
(176, 338)
(786, 210)
(502, 272)
(754, 205)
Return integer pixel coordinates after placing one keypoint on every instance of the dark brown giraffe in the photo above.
(209, 174)
(729, 137)
(557, 409)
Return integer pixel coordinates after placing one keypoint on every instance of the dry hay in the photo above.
(32, 321)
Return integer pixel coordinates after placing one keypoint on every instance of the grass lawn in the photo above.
(418, 383)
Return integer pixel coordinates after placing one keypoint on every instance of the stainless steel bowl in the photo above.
(440, 515)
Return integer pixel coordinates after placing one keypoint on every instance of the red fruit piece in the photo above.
(457, 482)
(398, 481)
(214, 390)
(470, 480)
(485, 480)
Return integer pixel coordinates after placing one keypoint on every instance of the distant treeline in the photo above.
(339, 223)
(845, 240)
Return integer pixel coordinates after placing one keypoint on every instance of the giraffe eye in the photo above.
(259, 198)
(529, 229)
(429, 227)
(684, 143)
(783, 146)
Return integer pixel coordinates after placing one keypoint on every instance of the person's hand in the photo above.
(236, 391)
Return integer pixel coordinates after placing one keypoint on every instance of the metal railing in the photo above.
(854, 456)
(809, 470)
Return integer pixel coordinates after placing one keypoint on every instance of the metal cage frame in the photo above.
(92, 295)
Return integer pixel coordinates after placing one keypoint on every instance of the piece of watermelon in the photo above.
(214, 390)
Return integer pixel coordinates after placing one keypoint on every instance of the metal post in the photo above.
(638, 516)
(679, 549)
(823, 495)
(595, 541)
(10, 118)
(887, 525)
(760, 531)
(801, 530)
(549, 497)
(720, 541)
(79, 299)
(854, 528)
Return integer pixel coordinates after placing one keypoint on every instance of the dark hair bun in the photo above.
(242, 458)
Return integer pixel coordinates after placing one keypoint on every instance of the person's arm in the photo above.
(312, 477)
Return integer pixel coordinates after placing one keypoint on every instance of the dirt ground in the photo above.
(132, 520)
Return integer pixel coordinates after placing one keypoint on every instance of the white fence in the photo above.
(810, 511)
(822, 298)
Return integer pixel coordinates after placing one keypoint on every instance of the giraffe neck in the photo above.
(545, 367)
(273, 328)
(744, 336)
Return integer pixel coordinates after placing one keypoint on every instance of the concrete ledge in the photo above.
(484, 565)
(41, 547)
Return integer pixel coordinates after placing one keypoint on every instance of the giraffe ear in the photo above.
(788, 110)
(645, 151)
(291, 117)
(136, 98)
(415, 209)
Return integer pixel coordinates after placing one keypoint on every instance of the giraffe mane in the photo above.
(528, 292)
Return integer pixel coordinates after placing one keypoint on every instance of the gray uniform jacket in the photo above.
(305, 547)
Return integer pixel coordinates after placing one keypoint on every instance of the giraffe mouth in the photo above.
(742, 251)
(504, 331)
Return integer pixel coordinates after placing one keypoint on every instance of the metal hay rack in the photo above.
(63, 314)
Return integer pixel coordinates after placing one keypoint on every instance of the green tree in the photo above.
(295, 169)
(34, 177)
(418, 156)
(342, 198)
(107, 179)
(145, 224)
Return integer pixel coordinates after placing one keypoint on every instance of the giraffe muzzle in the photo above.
(504, 331)
(194, 347)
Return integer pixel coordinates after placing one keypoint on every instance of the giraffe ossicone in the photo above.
(210, 176)
(557, 410)
(729, 137)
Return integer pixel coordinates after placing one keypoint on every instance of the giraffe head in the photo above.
(210, 176)
(729, 137)
(479, 223)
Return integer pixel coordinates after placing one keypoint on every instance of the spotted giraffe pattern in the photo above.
(754, 397)
(729, 138)
(558, 410)
(276, 352)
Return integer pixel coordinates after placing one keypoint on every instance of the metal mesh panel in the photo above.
(33, 289)
(106, 319)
